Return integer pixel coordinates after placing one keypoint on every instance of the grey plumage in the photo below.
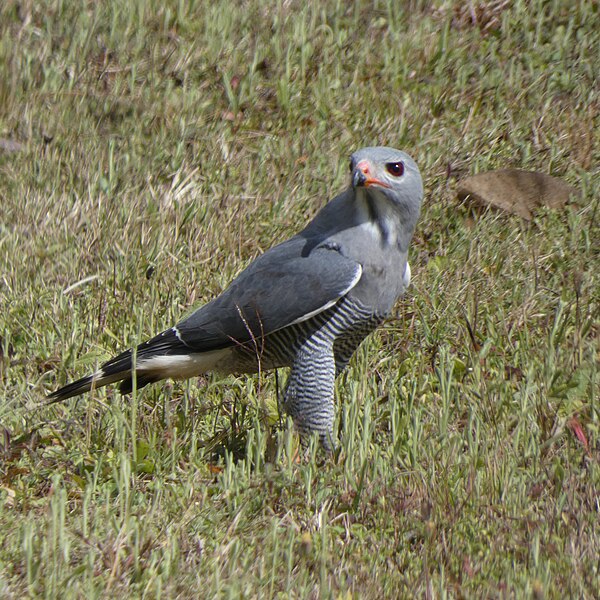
(306, 303)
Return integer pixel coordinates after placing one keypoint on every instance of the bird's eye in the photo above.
(395, 169)
(351, 166)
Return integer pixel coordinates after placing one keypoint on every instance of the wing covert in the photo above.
(276, 290)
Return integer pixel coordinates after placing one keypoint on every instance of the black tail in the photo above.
(116, 369)
(120, 368)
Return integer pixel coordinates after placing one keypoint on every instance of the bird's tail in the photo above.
(154, 360)
(116, 369)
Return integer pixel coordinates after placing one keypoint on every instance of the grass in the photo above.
(165, 145)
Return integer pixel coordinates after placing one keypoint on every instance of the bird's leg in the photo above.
(279, 398)
(277, 393)
(308, 397)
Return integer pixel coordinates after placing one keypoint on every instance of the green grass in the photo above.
(166, 145)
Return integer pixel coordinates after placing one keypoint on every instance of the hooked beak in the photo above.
(358, 178)
(361, 176)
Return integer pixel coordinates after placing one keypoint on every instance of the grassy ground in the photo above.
(166, 144)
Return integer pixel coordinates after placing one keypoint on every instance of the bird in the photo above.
(306, 303)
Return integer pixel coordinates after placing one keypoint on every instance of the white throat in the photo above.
(378, 216)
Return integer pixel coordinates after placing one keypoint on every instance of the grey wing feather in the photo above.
(280, 288)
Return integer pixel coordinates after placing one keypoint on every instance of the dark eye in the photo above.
(351, 166)
(395, 169)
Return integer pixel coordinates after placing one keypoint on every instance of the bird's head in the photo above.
(388, 186)
(389, 172)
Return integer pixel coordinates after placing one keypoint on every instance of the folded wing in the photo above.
(280, 288)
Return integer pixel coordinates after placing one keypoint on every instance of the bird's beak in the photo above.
(358, 178)
(362, 176)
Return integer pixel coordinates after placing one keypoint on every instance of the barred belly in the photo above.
(317, 350)
(343, 326)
